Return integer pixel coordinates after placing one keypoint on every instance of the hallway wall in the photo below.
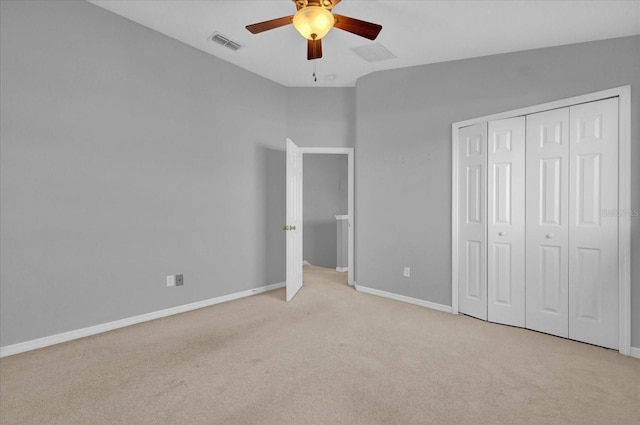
(325, 196)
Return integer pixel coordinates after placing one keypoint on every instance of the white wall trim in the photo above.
(342, 269)
(454, 216)
(556, 104)
(623, 93)
(635, 352)
(403, 298)
(34, 344)
(624, 219)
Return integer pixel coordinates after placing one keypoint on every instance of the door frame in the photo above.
(623, 94)
(350, 198)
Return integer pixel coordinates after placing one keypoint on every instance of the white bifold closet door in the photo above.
(544, 253)
(572, 225)
(593, 223)
(506, 222)
(547, 235)
(472, 231)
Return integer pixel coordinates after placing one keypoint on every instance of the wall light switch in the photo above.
(171, 280)
(407, 272)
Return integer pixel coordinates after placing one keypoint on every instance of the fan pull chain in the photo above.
(315, 79)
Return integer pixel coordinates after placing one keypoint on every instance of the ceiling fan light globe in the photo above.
(313, 22)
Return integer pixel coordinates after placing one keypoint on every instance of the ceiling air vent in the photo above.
(373, 52)
(222, 40)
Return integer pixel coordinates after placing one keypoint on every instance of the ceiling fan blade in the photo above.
(358, 27)
(269, 25)
(314, 49)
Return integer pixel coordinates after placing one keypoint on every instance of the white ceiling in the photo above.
(416, 32)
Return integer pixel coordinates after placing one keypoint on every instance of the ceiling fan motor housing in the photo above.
(324, 3)
(313, 22)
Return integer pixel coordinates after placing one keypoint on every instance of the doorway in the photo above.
(324, 207)
(348, 153)
(294, 214)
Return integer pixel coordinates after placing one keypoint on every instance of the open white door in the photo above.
(293, 226)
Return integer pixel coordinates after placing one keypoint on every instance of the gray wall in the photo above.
(127, 156)
(321, 117)
(325, 196)
(403, 152)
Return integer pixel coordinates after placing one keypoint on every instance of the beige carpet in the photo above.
(331, 356)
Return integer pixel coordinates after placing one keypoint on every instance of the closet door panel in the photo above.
(506, 222)
(472, 226)
(593, 220)
(547, 229)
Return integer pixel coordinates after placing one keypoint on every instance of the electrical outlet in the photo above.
(407, 272)
(171, 280)
(179, 280)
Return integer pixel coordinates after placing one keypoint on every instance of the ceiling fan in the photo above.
(314, 19)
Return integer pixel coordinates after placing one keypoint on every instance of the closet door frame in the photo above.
(624, 195)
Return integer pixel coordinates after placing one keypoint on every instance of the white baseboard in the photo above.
(34, 344)
(403, 298)
(342, 269)
(635, 352)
